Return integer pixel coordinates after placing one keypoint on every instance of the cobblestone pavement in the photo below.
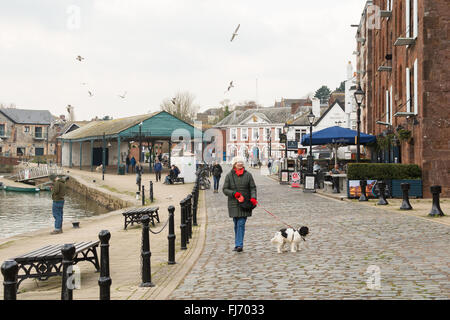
(345, 240)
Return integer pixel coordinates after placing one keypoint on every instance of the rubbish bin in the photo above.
(122, 169)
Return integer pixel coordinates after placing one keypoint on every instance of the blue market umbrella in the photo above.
(337, 136)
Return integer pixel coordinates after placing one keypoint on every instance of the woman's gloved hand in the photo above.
(237, 195)
(254, 201)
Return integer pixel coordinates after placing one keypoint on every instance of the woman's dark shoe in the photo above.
(239, 249)
(235, 248)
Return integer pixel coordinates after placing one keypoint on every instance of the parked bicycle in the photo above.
(204, 182)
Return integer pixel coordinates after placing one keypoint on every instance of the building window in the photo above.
(303, 132)
(2, 130)
(411, 18)
(233, 134)
(278, 132)
(20, 151)
(388, 107)
(298, 135)
(255, 134)
(26, 129)
(39, 151)
(38, 132)
(267, 134)
(1, 150)
(244, 134)
(416, 87)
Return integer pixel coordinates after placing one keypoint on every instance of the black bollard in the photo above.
(151, 191)
(68, 252)
(146, 254)
(189, 215)
(382, 189)
(183, 224)
(171, 237)
(405, 203)
(10, 268)
(104, 281)
(143, 195)
(194, 206)
(363, 185)
(436, 210)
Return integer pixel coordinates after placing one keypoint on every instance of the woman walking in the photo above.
(240, 188)
(216, 172)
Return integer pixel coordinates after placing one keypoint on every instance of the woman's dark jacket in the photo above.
(243, 184)
(217, 170)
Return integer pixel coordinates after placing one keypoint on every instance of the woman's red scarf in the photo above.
(239, 172)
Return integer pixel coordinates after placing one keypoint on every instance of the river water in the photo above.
(24, 212)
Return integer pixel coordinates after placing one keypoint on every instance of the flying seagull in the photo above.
(123, 96)
(83, 83)
(174, 100)
(230, 86)
(235, 32)
(79, 58)
(90, 94)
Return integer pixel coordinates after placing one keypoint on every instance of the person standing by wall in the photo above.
(157, 168)
(58, 194)
(216, 172)
(139, 171)
(127, 162)
(239, 187)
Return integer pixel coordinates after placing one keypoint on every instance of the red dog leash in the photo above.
(275, 216)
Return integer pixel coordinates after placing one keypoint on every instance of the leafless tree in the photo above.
(181, 106)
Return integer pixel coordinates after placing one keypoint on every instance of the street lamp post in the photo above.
(140, 142)
(269, 142)
(311, 118)
(359, 97)
(285, 131)
(103, 157)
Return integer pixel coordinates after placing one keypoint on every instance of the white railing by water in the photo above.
(41, 171)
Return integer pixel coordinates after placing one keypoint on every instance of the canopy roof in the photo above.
(337, 135)
(154, 125)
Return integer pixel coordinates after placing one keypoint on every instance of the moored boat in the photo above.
(20, 189)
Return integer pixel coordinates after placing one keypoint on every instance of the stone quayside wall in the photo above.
(102, 198)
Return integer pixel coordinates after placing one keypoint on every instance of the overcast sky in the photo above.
(153, 49)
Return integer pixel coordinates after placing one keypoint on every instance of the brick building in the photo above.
(403, 66)
(26, 132)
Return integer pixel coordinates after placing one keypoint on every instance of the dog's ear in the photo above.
(283, 233)
(303, 231)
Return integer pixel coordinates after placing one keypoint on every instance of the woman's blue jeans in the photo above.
(57, 210)
(239, 231)
(216, 182)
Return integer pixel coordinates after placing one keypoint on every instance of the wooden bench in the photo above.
(178, 180)
(47, 261)
(134, 215)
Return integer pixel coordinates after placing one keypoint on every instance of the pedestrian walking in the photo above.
(58, 194)
(240, 188)
(133, 163)
(157, 167)
(127, 162)
(216, 172)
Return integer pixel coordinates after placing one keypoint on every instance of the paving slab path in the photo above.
(352, 252)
